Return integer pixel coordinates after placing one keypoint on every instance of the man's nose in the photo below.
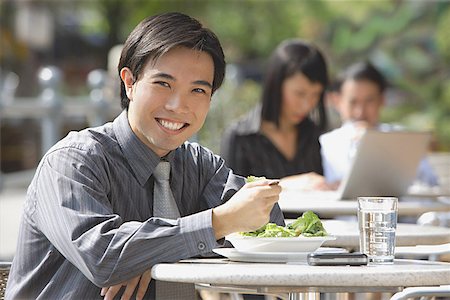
(359, 112)
(177, 103)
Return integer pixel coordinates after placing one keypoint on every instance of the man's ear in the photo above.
(128, 80)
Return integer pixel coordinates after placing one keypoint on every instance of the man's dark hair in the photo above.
(158, 34)
(364, 71)
(291, 57)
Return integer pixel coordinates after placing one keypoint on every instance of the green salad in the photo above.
(308, 225)
(252, 178)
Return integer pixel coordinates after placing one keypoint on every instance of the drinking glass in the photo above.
(377, 218)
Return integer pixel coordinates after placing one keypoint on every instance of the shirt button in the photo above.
(201, 246)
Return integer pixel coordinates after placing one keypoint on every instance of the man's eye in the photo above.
(162, 83)
(199, 90)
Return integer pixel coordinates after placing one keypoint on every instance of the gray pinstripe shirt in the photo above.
(88, 222)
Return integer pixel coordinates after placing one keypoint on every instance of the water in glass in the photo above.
(377, 230)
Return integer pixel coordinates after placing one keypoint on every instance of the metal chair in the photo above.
(423, 291)
(4, 273)
(430, 252)
(440, 162)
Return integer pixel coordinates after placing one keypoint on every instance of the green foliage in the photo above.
(247, 27)
(442, 34)
(401, 38)
(408, 40)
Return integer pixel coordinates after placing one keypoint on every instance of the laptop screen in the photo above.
(385, 164)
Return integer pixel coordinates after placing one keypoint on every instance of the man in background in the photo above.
(359, 99)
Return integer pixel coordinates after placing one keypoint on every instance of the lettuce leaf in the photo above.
(252, 178)
(307, 225)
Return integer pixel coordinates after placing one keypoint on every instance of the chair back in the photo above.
(4, 273)
(423, 291)
(440, 162)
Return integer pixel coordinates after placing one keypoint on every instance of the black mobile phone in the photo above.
(337, 259)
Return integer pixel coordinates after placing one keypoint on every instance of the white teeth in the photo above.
(171, 125)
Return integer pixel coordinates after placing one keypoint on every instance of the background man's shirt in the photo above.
(338, 148)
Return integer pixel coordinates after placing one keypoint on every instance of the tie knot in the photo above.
(162, 171)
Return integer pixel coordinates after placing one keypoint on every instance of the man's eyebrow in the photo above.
(163, 75)
(203, 82)
(168, 76)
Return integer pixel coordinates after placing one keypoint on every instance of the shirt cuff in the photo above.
(198, 233)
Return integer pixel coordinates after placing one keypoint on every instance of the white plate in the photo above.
(277, 244)
(271, 257)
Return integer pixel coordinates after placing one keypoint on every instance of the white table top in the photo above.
(347, 234)
(295, 202)
(295, 277)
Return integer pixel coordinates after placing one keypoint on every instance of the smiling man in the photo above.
(89, 219)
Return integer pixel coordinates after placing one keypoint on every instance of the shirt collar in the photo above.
(141, 158)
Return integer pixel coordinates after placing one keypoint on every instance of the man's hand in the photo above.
(248, 209)
(110, 292)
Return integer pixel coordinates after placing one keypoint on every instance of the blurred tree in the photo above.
(407, 40)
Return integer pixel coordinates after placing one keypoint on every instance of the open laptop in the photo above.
(385, 164)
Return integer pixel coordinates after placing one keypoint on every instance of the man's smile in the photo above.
(171, 125)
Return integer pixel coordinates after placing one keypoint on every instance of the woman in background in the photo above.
(279, 138)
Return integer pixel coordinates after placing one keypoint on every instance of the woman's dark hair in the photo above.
(291, 57)
(158, 34)
(364, 71)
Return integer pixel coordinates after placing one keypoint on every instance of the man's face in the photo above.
(360, 100)
(171, 98)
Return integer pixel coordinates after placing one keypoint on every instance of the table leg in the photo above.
(337, 296)
(304, 296)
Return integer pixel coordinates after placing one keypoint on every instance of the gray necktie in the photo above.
(164, 204)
